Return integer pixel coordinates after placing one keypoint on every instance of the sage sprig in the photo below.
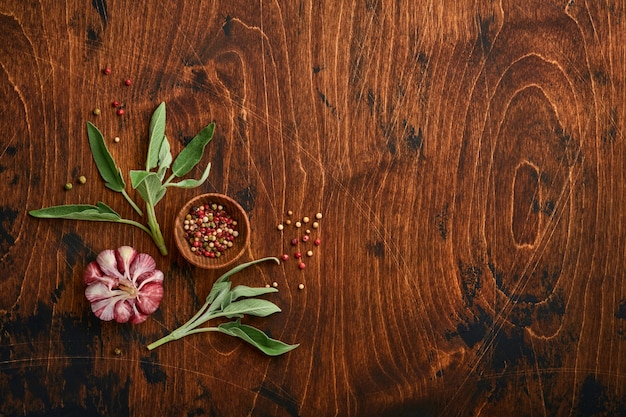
(149, 183)
(225, 301)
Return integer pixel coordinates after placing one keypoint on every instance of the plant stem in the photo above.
(156, 234)
(175, 336)
(132, 203)
(136, 224)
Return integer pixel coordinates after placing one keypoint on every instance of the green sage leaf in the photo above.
(191, 154)
(245, 291)
(100, 212)
(256, 338)
(109, 171)
(226, 276)
(218, 294)
(165, 158)
(157, 137)
(251, 306)
(148, 185)
(191, 183)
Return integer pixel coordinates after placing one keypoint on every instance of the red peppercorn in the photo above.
(302, 265)
(294, 241)
(317, 242)
(115, 103)
(106, 71)
(120, 112)
(285, 257)
(127, 82)
(298, 255)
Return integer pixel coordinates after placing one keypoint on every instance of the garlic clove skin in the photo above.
(107, 262)
(143, 263)
(125, 256)
(123, 285)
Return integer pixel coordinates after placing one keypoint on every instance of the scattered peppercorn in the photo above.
(287, 222)
(117, 139)
(318, 216)
(117, 351)
(96, 111)
(285, 257)
(315, 225)
(120, 112)
(317, 242)
(298, 224)
(294, 241)
(289, 213)
(210, 230)
(68, 186)
(302, 265)
(127, 82)
(301, 286)
(275, 284)
(82, 179)
(309, 253)
(305, 219)
(297, 255)
(280, 227)
(305, 238)
(115, 103)
(106, 71)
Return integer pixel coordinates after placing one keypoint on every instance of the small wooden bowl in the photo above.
(230, 255)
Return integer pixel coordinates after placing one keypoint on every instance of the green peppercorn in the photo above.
(82, 179)
(96, 111)
(68, 186)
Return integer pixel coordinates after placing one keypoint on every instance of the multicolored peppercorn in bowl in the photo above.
(212, 231)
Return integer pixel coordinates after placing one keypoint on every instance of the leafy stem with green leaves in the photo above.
(225, 301)
(149, 183)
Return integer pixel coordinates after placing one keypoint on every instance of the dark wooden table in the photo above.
(468, 160)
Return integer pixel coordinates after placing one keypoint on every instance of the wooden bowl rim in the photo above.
(241, 243)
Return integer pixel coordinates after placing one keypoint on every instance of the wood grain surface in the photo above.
(467, 157)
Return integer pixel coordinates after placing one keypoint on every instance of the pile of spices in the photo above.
(302, 238)
(210, 230)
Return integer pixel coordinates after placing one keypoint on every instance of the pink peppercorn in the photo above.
(301, 265)
(305, 238)
(115, 103)
(317, 242)
(106, 71)
(127, 82)
(120, 112)
(298, 255)
(294, 241)
(285, 257)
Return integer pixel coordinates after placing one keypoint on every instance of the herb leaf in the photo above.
(245, 291)
(191, 154)
(256, 338)
(100, 212)
(191, 183)
(226, 276)
(149, 186)
(220, 295)
(157, 136)
(251, 306)
(109, 172)
(165, 158)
